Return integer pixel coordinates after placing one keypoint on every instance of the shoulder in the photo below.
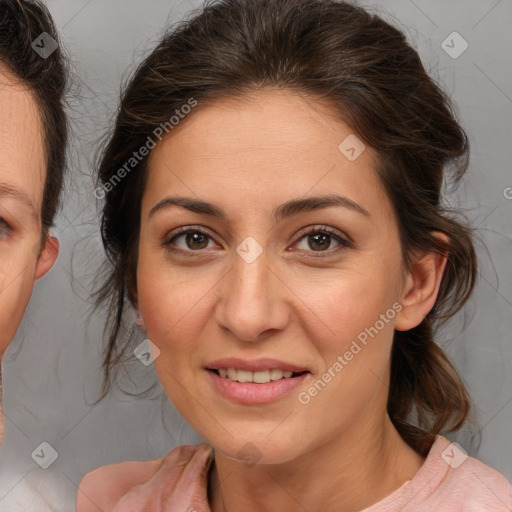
(486, 479)
(452, 477)
(101, 489)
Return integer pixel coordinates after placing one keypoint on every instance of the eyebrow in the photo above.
(7, 190)
(285, 210)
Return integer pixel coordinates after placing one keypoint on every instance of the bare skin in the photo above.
(296, 302)
(22, 175)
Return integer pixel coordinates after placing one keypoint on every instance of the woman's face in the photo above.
(22, 175)
(255, 284)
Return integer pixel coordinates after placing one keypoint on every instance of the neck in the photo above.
(352, 471)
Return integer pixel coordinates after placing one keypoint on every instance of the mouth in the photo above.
(255, 382)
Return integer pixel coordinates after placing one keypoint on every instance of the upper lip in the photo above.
(255, 365)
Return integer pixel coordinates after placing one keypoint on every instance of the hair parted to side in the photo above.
(363, 68)
(21, 22)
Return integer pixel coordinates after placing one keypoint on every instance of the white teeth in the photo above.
(260, 377)
(244, 376)
(279, 374)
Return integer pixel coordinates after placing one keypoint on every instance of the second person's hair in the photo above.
(21, 23)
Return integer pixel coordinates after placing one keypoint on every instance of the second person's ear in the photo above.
(48, 256)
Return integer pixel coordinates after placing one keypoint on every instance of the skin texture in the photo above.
(22, 175)
(294, 303)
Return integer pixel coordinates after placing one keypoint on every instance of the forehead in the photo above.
(277, 143)
(261, 122)
(22, 155)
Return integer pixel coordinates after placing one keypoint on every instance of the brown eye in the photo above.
(196, 240)
(188, 240)
(319, 239)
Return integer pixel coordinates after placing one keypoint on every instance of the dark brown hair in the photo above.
(373, 80)
(21, 23)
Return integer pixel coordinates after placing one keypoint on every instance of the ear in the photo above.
(47, 257)
(421, 287)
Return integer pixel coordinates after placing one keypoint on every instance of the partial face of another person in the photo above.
(298, 291)
(22, 177)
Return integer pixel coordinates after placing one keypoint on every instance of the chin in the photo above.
(257, 449)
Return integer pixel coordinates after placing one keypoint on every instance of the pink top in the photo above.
(448, 481)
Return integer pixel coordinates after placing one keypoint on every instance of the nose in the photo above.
(253, 300)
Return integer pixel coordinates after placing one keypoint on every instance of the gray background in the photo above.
(51, 371)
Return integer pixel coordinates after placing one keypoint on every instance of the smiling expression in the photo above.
(264, 177)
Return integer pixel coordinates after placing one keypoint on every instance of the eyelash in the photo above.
(315, 230)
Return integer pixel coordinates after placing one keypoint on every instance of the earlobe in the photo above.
(421, 288)
(140, 320)
(48, 256)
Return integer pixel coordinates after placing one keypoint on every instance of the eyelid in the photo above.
(4, 222)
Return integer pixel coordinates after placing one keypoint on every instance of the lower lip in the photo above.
(251, 393)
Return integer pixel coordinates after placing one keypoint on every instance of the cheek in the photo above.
(354, 353)
(16, 284)
(343, 307)
(172, 302)
(352, 334)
